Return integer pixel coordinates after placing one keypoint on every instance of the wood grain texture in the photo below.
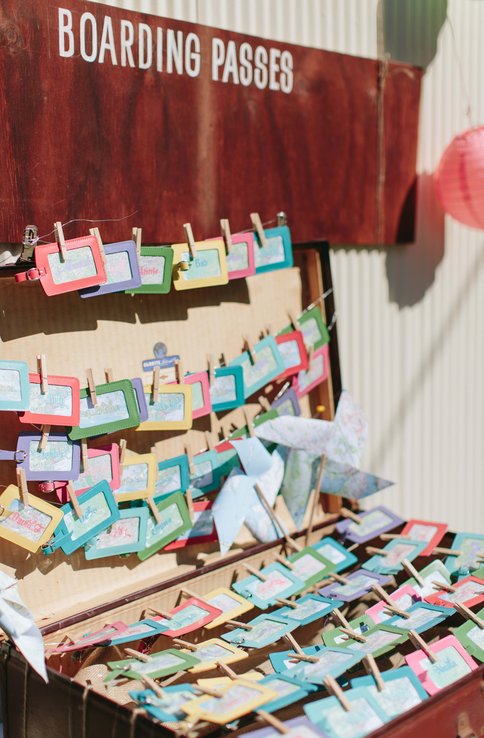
(91, 140)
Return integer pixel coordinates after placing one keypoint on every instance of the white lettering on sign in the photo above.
(139, 46)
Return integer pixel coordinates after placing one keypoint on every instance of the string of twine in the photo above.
(41, 239)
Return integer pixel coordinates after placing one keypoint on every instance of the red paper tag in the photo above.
(82, 267)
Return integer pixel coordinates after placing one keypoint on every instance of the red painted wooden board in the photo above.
(296, 129)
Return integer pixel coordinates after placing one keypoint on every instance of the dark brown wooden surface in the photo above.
(90, 140)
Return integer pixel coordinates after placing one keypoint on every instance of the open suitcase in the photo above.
(75, 596)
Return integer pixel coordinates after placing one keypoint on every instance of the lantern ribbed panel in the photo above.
(459, 178)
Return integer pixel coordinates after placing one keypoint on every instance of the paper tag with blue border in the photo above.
(14, 385)
(277, 254)
(227, 388)
(99, 512)
(268, 365)
(125, 535)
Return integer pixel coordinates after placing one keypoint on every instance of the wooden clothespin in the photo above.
(282, 560)
(189, 501)
(467, 613)
(345, 512)
(91, 386)
(239, 624)
(188, 453)
(136, 234)
(202, 689)
(227, 236)
(188, 593)
(264, 403)
(161, 613)
(153, 685)
(44, 437)
(392, 536)
(259, 229)
(447, 551)
(333, 688)
(287, 603)
(153, 509)
(73, 500)
(210, 369)
(155, 387)
(310, 351)
(300, 655)
(378, 590)
(42, 372)
(249, 423)
(255, 572)
(419, 642)
(338, 578)
(108, 373)
(59, 235)
(293, 320)
(22, 486)
(316, 498)
(248, 347)
(372, 668)
(122, 450)
(84, 454)
(179, 373)
(336, 613)
(274, 722)
(376, 551)
(353, 634)
(226, 669)
(190, 240)
(185, 644)
(137, 654)
(444, 585)
(209, 440)
(97, 235)
(346, 628)
(411, 571)
(173, 678)
(277, 523)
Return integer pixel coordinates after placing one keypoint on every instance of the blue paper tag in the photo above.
(163, 363)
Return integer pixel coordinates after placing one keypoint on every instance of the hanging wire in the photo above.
(86, 220)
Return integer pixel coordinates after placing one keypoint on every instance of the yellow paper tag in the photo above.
(29, 526)
(138, 478)
(207, 268)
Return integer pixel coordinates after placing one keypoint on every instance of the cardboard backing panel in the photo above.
(119, 331)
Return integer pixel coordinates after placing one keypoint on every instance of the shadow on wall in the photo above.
(411, 392)
(411, 269)
(410, 29)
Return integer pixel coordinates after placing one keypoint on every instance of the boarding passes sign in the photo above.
(107, 113)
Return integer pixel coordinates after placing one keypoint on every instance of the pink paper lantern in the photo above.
(459, 178)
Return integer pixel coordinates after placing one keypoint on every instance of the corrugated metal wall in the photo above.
(409, 318)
